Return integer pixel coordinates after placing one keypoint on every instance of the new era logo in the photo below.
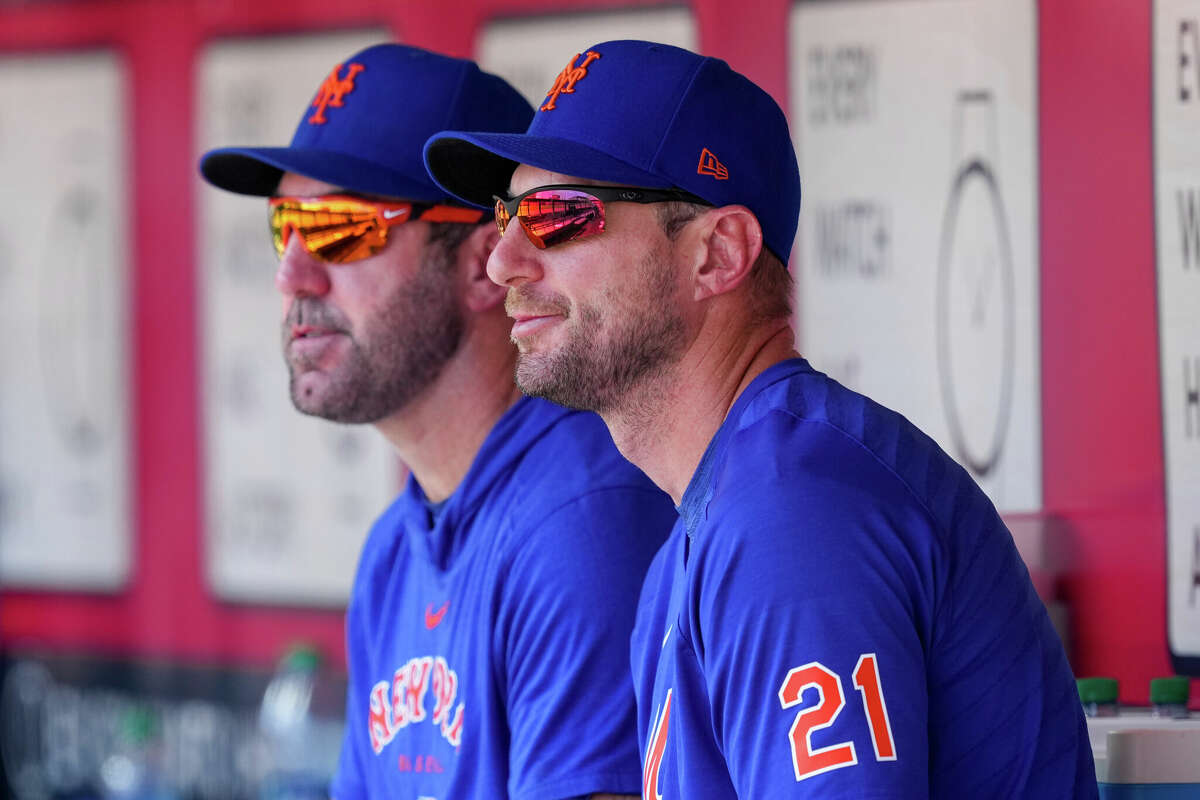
(709, 165)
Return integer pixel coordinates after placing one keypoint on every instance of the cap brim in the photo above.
(257, 170)
(475, 166)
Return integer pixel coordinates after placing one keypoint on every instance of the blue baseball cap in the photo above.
(648, 115)
(367, 122)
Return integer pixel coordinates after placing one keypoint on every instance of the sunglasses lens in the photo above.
(279, 233)
(333, 230)
(502, 217)
(554, 216)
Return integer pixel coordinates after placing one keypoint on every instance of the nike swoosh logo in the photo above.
(388, 213)
(434, 618)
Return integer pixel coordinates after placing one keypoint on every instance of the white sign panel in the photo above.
(64, 295)
(917, 262)
(1177, 228)
(529, 52)
(289, 498)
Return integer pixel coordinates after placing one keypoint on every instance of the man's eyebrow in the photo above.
(510, 194)
(569, 182)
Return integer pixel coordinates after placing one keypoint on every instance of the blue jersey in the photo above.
(489, 651)
(841, 613)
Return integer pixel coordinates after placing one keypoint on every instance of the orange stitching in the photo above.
(332, 91)
(566, 80)
(709, 165)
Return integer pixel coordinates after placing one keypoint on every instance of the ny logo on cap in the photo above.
(709, 165)
(332, 91)
(566, 80)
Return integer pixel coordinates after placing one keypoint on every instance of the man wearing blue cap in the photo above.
(488, 626)
(840, 611)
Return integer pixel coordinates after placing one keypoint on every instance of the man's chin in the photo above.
(331, 412)
(539, 376)
(310, 394)
(310, 406)
(533, 375)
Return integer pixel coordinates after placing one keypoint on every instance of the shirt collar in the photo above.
(693, 508)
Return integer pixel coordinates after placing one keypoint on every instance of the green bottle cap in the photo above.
(1097, 690)
(138, 725)
(1172, 691)
(302, 657)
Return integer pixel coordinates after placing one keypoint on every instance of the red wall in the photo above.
(1103, 451)
(1103, 470)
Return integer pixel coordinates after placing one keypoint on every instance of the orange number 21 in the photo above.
(830, 702)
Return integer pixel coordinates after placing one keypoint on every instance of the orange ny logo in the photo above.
(332, 91)
(566, 80)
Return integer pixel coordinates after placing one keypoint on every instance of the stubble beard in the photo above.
(399, 352)
(601, 373)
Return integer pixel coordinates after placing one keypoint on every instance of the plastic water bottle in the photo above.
(300, 721)
(1098, 695)
(133, 768)
(1169, 697)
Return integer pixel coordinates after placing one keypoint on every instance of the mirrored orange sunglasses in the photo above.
(340, 228)
(552, 215)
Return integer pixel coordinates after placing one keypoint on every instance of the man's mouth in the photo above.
(311, 332)
(312, 345)
(525, 324)
(532, 314)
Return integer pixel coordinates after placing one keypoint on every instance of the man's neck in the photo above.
(666, 424)
(440, 432)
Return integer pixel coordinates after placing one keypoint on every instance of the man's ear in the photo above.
(479, 293)
(729, 241)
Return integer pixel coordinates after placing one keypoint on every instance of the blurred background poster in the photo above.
(64, 280)
(1177, 240)
(916, 129)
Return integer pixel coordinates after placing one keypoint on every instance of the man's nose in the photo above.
(300, 273)
(514, 261)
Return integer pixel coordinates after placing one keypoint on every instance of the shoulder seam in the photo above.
(875, 456)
